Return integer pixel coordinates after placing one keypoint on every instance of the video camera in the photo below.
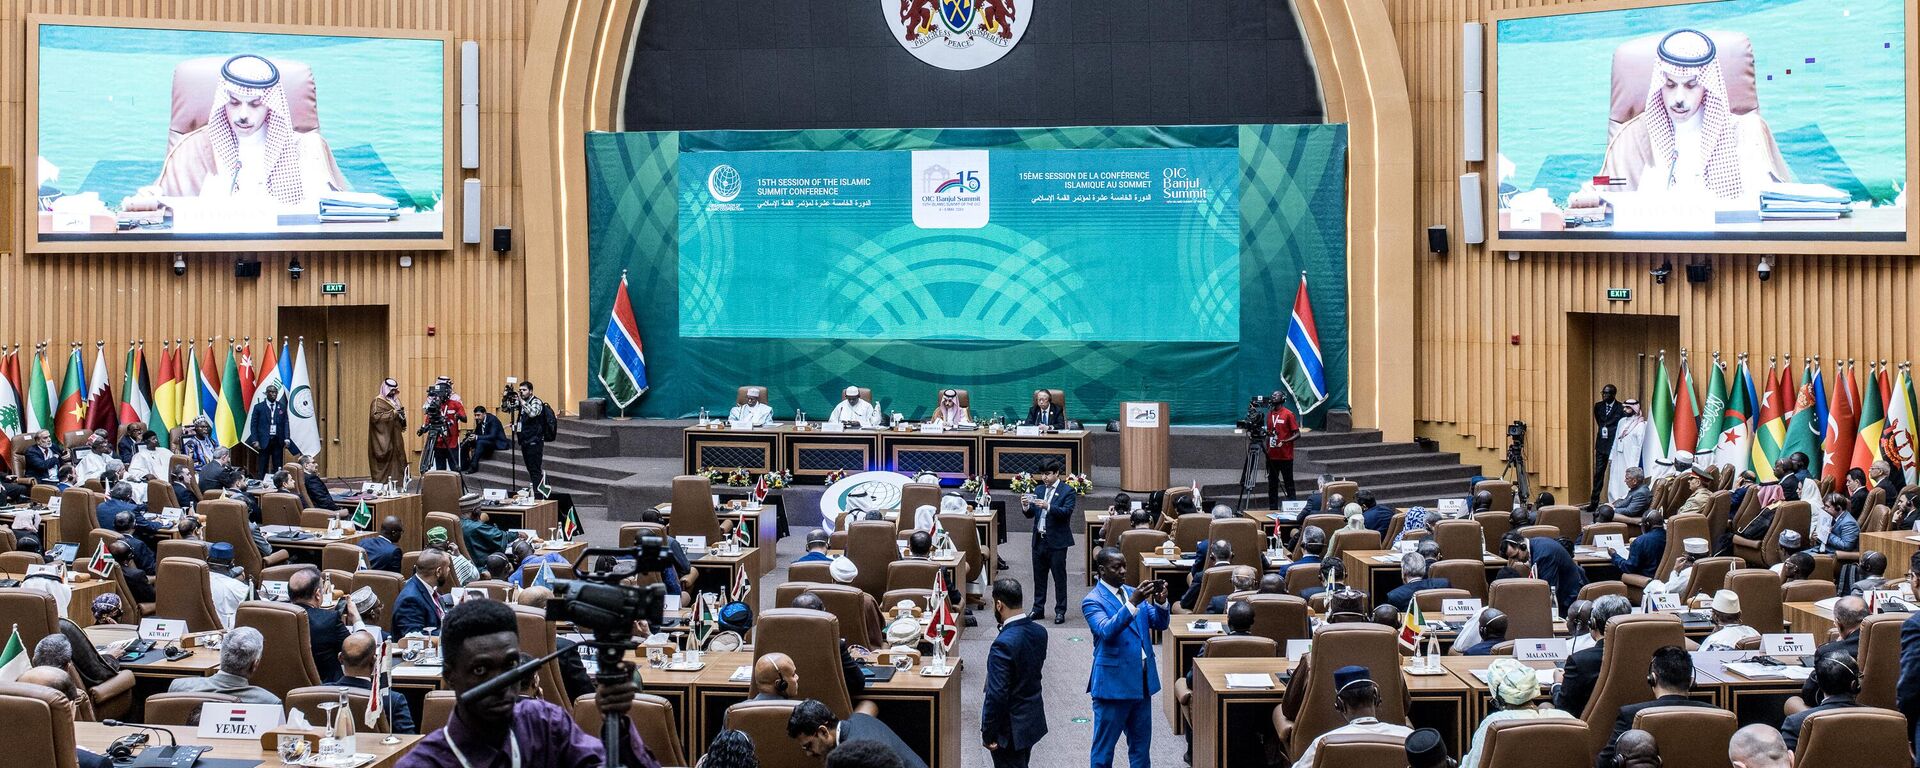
(435, 416)
(599, 603)
(1255, 422)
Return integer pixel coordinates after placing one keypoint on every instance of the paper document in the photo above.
(1255, 681)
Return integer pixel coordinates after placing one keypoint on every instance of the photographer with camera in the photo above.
(534, 423)
(444, 413)
(1283, 428)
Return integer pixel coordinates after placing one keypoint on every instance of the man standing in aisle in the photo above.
(1013, 716)
(387, 434)
(1124, 679)
(532, 434)
(1282, 429)
(1051, 506)
(1606, 417)
(268, 433)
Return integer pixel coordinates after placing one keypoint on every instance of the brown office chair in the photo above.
(1749, 509)
(1853, 736)
(282, 572)
(455, 535)
(1528, 604)
(784, 594)
(531, 571)
(94, 484)
(177, 708)
(1246, 537)
(1690, 736)
(495, 589)
(280, 509)
(77, 515)
(966, 540)
(1345, 489)
(1716, 512)
(386, 587)
(159, 495)
(40, 727)
(1344, 541)
(1760, 593)
(1302, 577)
(1679, 529)
(1327, 523)
(1879, 519)
(1224, 647)
(1502, 494)
(537, 639)
(911, 574)
(1825, 565)
(308, 699)
(41, 493)
(1111, 526)
(650, 714)
(893, 598)
(1134, 546)
(1807, 591)
(317, 518)
(871, 546)
(1470, 575)
(816, 571)
(1459, 539)
(1630, 641)
(435, 710)
(341, 556)
(1431, 600)
(1339, 645)
(857, 614)
(693, 513)
(1360, 750)
(810, 639)
(1395, 526)
(765, 723)
(1547, 742)
(1594, 590)
(1592, 533)
(1216, 580)
(182, 592)
(1710, 575)
(1880, 659)
(1788, 515)
(1493, 525)
(740, 398)
(440, 492)
(283, 628)
(34, 614)
(1280, 618)
(15, 563)
(912, 497)
(1561, 516)
(227, 521)
(1536, 531)
(187, 548)
(299, 476)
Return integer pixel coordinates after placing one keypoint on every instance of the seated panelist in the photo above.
(950, 412)
(855, 411)
(751, 410)
(1045, 412)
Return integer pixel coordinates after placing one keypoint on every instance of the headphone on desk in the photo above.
(121, 750)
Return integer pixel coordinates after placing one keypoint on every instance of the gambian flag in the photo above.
(13, 659)
(623, 367)
(1302, 370)
(1873, 421)
(209, 386)
(1413, 625)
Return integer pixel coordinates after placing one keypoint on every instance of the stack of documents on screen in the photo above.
(357, 206)
(1802, 201)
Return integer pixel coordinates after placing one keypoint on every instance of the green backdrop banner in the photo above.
(644, 188)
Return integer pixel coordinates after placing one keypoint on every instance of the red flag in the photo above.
(103, 414)
(1886, 388)
(247, 380)
(1686, 410)
(940, 629)
(1843, 420)
(100, 564)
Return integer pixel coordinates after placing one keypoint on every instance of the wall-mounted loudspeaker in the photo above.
(1472, 219)
(1473, 37)
(1437, 239)
(469, 104)
(246, 268)
(470, 212)
(1473, 97)
(502, 239)
(1700, 272)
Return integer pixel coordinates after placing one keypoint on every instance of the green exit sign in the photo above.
(337, 289)
(1619, 294)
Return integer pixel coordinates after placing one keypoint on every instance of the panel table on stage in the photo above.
(754, 450)
(813, 453)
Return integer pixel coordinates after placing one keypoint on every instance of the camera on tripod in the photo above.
(435, 424)
(599, 603)
(1255, 422)
(1516, 436)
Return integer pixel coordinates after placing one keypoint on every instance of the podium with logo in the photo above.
(1144, 429)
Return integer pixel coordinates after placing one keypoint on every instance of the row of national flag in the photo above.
(1859, 416)
(46, 393)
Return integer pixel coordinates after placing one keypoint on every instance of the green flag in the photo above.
(1659, 409)
(1804, 429)
(1712, 410)
(1873, 422)
(13, 660)
(230, 410)
(1734, 434)
(362, 517)
(39, 399)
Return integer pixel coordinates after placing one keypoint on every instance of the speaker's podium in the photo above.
(1143, 447)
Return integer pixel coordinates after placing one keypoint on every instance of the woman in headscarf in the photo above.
(387, 435)
(1514, 687)
(1417, 520)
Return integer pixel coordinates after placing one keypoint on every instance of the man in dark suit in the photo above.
(1013, 716)
(1848, 612)
(1672, 676)
(357, 656)
(1051, 507)
(819, 733)
(1206, 555)
(1377, 518)
(489, 436)
(327, 627)
(418, 606)
(383, 551)
(43, 459)
(1629, 508)
(1606, 416)
(139, 580)
(267, 432)
(315, 485)
(1908, 689)
(1243, 578)
(1046, 413)
(1644, 553)
(1313, 542)
(1838, 676)
(1124, 678)
(1583, 667)
(1546, 560)
(1413, 578)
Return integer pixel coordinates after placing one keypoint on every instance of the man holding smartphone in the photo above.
(1050, 505)
(1124, 680)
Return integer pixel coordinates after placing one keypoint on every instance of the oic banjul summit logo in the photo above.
(723, 182)
(958, 34)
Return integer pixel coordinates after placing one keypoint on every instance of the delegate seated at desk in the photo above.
(855, 410)
(1045, 413)
(753, 412)
(950, 413)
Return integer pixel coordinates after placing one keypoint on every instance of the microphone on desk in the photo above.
(171, 741)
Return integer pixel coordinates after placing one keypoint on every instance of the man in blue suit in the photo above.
(1908, 690)
(1051, 506)
(383, 551)
(267, 432)
(418, 606)
(1013, 715)
(1124, 681)
(1547, 561)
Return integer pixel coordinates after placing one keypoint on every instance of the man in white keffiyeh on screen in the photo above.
(248, 148)
(1687, 139)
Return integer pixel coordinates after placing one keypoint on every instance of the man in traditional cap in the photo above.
(1692, 550)
(1357, 698)
(950, 412)
(855, 411)
(387, 434)
(1427, 749)
(1699, 490)
(1728, 631)
(248, 147)
(228, 591)
(464, 571)
(1687, 138)
(752, 411)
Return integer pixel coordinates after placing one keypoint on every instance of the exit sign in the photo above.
(336, 289)
(1619, 294)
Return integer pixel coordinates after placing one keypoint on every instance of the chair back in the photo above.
(455, 534)
(848, 605)
(1879, 518)
(1459, 539)
(17, 562)
(765, 723)
(1241, 647)
(871, 545)
(1690, 736)
(810, 638)
(42, 493)
(341, 556)
(386, 586)
(1302, 577)
(1807, 591)
(1345, 489)
(1853, 736)
(1561, 516)
(650, 714)
(1280, 618)
(966, 540)
(188, 548)
(1749, 509)
(435, 710)
(1395, 526)
(298, 474)
(1244, 535)
(913, 496)
(1710, 575)
(177, 708)
(537, 639)
(440, 492)
(784, 594)
(1172, 495)
(1339, 645)
(1216, 580)
(1431, 600)
(280, 509)
(1110, 529)
(1470, 575)
(531, 571)
(1719, 504)
(1760, 598)
(693, 513)
(77, 515)
(159, 494)
(281, 572)
(182, 592)
(495, 589)
(630, 533)
(814, 570)
(1493, 525)
(1592, 533)
(1539, 531)
(1327, 523)
(33, 613)
(314, 517)
(1594, 590)
(308, 699)
(1528, 604)
(227, 521)
(1824, 567)
(912, 574)
(1880, 659)
(39, 725)
(1679, 529)
(1630, 641)
(283, 631)
(1134, 546)
(1355, 541)
(1502, 492)
(1789, 516)
(1360, 750)
(1546, 742)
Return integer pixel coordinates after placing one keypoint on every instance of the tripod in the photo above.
(1250, 466)
(513, 450)
(1516, 465)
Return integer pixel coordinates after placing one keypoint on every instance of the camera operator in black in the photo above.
(533, 423)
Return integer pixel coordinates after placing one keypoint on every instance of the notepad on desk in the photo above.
(1545, 676)
(1756, 671)
(1254, 681)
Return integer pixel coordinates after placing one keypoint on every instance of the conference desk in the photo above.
(1229, 724)
(1377, 571)
(307, 549)
(1898, 546)
(812, 454)
(95, 737)
(409, 507)
(80, 602)
(541, 517)
(719, 571)
(759, 525)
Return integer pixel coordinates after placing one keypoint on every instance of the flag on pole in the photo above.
(1843, 420)
(1712, 410)
(1413, 625)
(742, 585)
(940, 627)
(103, 414)
(760, 490)
(71, 413)
(1659, 422)
(10, 368)
(303, 426)
(1302, 370)
(134, 406)
(1803, 429)
(1686, 411)
(247, 375)
(705, 619)
(143, 382)
(376, 698)
(1873, 421)
(183, 399)
(1770, 429)
(623, 367)
(100, 564)
(1820, 401)
(1886, 387)
(569, 523)
(362, 517)
(209, 386)
(269, 374)
(1896, 440)
(544, 577)
(11, 418)
(229, 409)
(1736, 430)
(13, 659)
(39, 405)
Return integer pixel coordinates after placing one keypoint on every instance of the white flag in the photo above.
(304, 426)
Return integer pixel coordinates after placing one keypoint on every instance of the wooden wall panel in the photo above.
(473, 299)
(1472, 381)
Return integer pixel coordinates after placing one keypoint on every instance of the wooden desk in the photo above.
(411, 511)
(727, 567)
(95, 737)
(1809, 618)
(541, 517)
(1752, 700)
(1178, 647)
(761, 528)
(1898, 546)
(1378, 577)
(754, 450)
(1225, 719)
(80, 603)
(950, 455)
(314, 543)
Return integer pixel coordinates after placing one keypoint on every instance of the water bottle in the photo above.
(343, 737)
(1432, 659)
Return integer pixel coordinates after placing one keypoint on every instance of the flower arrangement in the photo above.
(1081, 484)
(777, 480)
(835, 476)
(739, 478)
(974, 484)
(1023, 482)
(714, 475)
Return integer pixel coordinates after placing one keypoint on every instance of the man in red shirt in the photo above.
(446, 450)
(1282, 429)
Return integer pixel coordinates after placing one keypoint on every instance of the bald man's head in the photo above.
(1243, 577)
(775, 675)
(534, 597)
(1759, 746)
(1636, 749)
(52, 677)
(357, 654)
(432, 562)
(392, 529)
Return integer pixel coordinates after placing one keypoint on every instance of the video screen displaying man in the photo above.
(1687, 139)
